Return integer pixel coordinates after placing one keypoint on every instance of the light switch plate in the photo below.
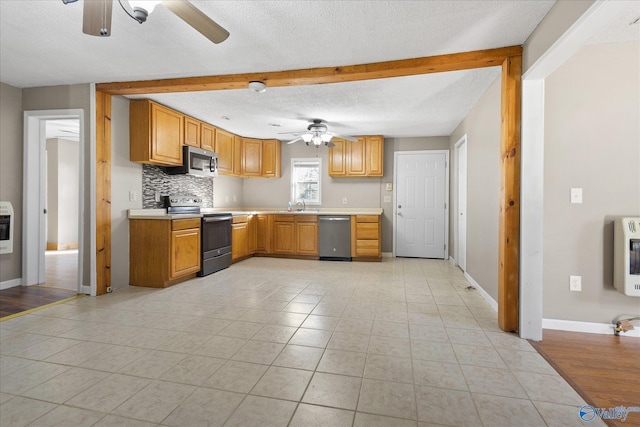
(132, 196)
(576, 195)
(344, 200)
(389, 186)
(387, 199)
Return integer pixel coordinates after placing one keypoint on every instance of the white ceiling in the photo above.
(42, 44)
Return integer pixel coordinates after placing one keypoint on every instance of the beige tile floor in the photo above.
(61, 269)
(275, 342)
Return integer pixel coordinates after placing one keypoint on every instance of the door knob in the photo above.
(399, 206)
(400, 214)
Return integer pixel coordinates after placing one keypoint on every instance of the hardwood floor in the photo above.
(603, 369)
(22, 298)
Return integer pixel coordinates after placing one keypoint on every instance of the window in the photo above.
(306, 180)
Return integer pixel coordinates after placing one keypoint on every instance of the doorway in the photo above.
(421, 220)
(461, 204)
(64, 227)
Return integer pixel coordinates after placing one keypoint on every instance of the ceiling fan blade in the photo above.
(295, 140)
(96, 17)
(347, 137)
(198, 20)
(329, 144)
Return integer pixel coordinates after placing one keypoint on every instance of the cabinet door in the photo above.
(337, 166)
(252, 235)
(185, 252)
(191, 132)
(239, 240)
(224, 148)
(271, 158)
(374, 149)
(237, 155)
(307, 238)
(251, 157)
(356, 161)
(262, 233)
(284, 237)
(207, 137)
(167, 135)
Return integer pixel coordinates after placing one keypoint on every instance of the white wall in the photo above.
(125, 176)
(592, 141)
(482, 126)
(62, 193)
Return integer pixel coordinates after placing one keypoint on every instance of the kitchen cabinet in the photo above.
(365, 237)
(224, 146)
(192, 131)
(156, 134)
(271, 158)
(364, 158)
(239, 238)
(263, 233)
(284, 233)
(207, 137)
(337, 158)
(252, 235)
(163, 252)
(251, 157)
(307, 235)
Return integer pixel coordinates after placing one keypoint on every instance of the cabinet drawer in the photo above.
(367, 218)
(367, 247)
(283, 218)
(307, 218)
(367, 231)
(183, 224)
(238, 219)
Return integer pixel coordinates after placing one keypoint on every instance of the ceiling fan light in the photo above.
(316, 139)
(306, 137)
(326, 137)
(146, 5)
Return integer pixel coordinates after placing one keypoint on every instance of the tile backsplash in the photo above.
(154, 179)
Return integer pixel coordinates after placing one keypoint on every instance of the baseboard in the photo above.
(61, 246)
(10, 283)
(482, 292)
(387, 254)
(588, 327)
(452, 260)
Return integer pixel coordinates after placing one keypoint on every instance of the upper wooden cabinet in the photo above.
(271, 158)
(251, 157)
(224, 148)
(156, 134)
(357, 159)
(191, 131)
(207, 137)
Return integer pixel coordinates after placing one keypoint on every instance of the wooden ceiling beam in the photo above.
(311, 76)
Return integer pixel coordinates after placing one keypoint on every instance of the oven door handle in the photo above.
(217, 218)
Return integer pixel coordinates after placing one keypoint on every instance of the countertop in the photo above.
(162, 213)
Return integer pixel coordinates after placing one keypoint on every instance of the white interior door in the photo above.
(461, 242)
(420, 205)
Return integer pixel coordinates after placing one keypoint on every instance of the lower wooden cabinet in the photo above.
(239, 238)
(163, 252)
(284, 235)
(307, 235)
(295, 235)
(365, 238)
(263, 233)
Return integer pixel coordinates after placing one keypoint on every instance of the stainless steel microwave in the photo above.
(196, 161)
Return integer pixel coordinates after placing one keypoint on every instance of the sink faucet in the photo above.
(301, 203)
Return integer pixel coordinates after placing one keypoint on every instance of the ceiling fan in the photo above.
(317, 134)
(96, 19)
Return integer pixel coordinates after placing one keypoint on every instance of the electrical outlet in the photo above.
(235, 198)
(344, 200)
(156, 196)
(576, 195)
(132, 196)
(387, 199)
(575, 283)
(226, 199)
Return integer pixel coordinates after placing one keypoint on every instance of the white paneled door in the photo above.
(420, 204)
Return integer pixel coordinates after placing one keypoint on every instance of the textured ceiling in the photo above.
(42, 44)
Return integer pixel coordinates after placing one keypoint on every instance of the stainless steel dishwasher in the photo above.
(335, 237)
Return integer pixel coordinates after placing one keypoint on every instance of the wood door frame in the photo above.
(510, 58)
(446, 193)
